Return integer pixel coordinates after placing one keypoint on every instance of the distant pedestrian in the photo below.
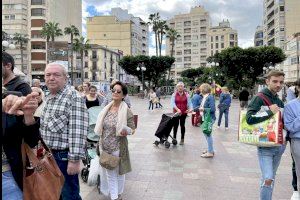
(36, 83)
(208, 105)
(158, 95)
(86, 88)
(152, 97)
(224, 105)
(244, 97)
(92, 98)
(196, 100)
(181, 104)
(269, 157)
(64, 127)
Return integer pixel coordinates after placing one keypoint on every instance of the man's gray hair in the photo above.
(35, 80)
(61, 66)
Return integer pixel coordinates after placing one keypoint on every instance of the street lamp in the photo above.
(6, 45)
(141, 66)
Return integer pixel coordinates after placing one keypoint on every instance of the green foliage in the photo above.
(156, 67)
(242, 67)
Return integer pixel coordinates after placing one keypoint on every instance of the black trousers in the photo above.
(180, 119)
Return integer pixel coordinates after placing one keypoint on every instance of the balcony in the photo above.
(37, 2)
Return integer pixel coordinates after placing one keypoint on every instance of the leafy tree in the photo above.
(80, 46)
(242, 67)
(72, 31)
(22, 40)
(156, 67)
(49, 31)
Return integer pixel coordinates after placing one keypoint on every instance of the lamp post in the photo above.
(6, 45)
(141, 66)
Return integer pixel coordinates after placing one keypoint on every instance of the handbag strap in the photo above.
(264, 98)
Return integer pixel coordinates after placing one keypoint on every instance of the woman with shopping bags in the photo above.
(114, 123)
(207, 111)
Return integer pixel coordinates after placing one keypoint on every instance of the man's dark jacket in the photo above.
(14, 131)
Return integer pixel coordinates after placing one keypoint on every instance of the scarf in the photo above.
(122, 118)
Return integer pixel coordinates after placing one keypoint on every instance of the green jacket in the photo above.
(257, 104)
(125, 165)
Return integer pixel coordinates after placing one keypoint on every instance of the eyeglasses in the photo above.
(116, 91)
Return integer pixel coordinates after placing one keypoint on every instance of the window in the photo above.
(178, 59)
(195, 23)
(212, 45)
(195, 44)
(179, 53)
(231, 44)
(212, 38)
(222, 45)
(217, 38)
(12, 17)
(281, 8)
(231, 36)
(293, 60)
(86, 75)
(217, 45)
(222, 37)
(86, 65)
(37, 12)
(6, 17)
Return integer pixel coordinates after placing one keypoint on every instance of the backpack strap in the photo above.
(264, 98)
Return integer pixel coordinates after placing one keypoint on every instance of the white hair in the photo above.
(61, 66)
(179, 84)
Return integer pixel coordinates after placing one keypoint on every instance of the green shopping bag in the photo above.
(207, 123)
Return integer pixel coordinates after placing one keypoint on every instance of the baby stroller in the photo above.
(92, 140)
(164, 129)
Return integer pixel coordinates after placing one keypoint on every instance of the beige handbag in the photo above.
(109, 161)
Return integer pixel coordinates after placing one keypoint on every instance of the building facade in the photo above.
(121, 31)
(29, 18)
(191, 48)
(259, 37)
(221, 37)
(291, 65)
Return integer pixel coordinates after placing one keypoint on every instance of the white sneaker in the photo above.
(226, 129)
(218, 127)
(295, 196)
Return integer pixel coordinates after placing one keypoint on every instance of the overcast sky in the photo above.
(244, 15)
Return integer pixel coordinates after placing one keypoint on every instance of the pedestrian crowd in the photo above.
(58, 122)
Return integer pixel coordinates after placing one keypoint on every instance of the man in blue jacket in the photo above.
(292, 124)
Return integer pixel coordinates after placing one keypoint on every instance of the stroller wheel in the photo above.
(167, 144)
(156, 143)
(84, 174)
(174, 142)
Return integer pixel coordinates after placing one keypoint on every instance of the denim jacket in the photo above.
(210, 103)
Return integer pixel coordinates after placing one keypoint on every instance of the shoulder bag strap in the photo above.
(264, 98)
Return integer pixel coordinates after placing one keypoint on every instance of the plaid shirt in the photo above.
(64, 123)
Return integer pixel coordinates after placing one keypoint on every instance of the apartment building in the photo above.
(259, 36)
(191, 49)
(291, 66)
(29, 16)
(221, 37)
(121, 31)
(101, 64)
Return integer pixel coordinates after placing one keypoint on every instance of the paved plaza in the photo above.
(179, 173)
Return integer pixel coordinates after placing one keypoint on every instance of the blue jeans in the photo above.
(269, 160)
(209, 140)
(10, 189)
(70, 190)
(226, 111)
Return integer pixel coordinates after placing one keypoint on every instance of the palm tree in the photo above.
(154, 18)
(50, 31)
(80, 46)
(22, 40)
(162, 28)
(173, 35)
(72, 31)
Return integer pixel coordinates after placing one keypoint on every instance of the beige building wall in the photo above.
(191, 49)
(291, 65)
(109, 31)
(292, 16)
(221, 37)
(15, 20)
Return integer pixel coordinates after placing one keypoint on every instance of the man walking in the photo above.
(243, 97)
(269, 157)
(64, 127)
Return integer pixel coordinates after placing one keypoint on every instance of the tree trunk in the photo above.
(71, 59)
(161, 38)
(159, 43)
(82, 71)
(21, 48)
(172, 49)
(156, 42)
(48, 51)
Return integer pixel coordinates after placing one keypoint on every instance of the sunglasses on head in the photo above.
(116, 91)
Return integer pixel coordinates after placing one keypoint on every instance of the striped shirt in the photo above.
(64, 123)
